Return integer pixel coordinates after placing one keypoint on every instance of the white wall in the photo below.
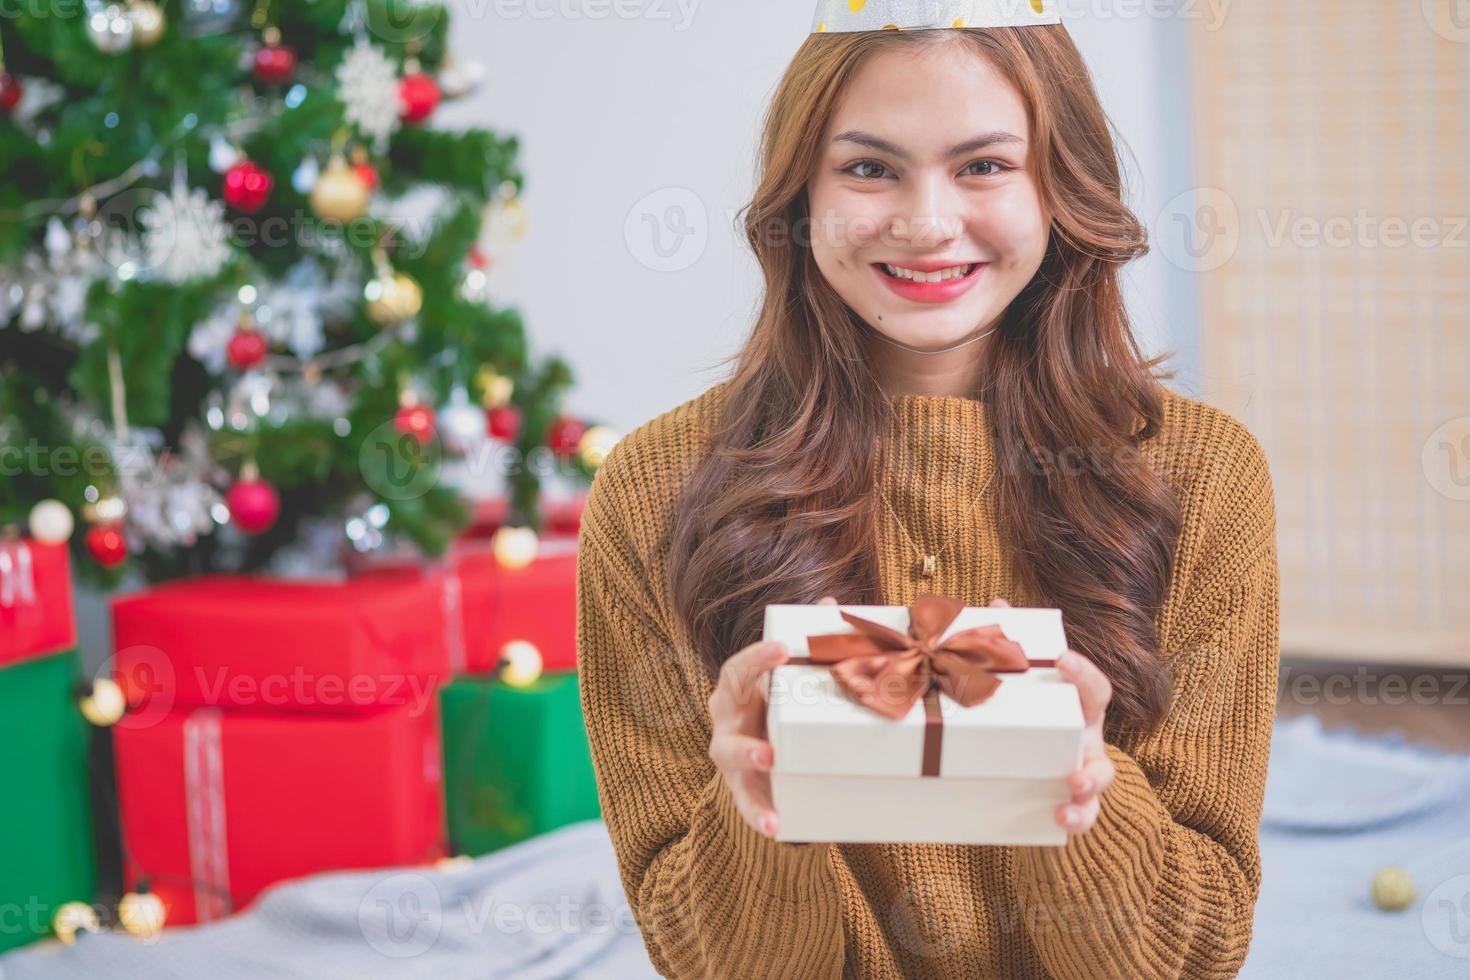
(611, 110)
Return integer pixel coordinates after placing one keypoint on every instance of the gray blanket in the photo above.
(549, 907)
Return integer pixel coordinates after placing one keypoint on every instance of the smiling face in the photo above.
(925, 167)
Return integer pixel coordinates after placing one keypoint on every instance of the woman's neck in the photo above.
(953, 371)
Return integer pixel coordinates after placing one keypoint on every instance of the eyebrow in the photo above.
(884, 146)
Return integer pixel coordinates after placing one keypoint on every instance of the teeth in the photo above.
(953, 272)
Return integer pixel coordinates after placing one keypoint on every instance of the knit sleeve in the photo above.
(712, 896)
(1165, 882)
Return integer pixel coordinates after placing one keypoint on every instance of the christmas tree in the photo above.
(243, 287)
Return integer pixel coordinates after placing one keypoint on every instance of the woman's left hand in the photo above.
(1096, 772)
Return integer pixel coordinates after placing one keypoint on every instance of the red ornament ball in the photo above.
(415, 421)
(10, 91)
(503, 422)
(275, 63)
(247, 187)
(565, 434)
(368, 174)
(246, 349)
(418, 96)
(254, 505)
(106, 545)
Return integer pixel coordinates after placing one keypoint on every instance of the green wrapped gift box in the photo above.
(516, 761)
(46, 853)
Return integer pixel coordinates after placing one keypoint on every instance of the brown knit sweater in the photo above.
(1163, 885)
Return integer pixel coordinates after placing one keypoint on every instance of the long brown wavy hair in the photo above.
(779, 510)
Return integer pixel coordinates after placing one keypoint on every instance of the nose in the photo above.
(931, 214)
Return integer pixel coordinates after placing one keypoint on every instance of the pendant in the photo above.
(930, 561)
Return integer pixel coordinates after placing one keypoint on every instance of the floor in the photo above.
(1429, 705)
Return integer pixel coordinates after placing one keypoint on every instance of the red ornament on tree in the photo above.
(10, 91)
(415, 421)
(247, 348)
(418, 95)
(106, 545)
(368, 174)
(503, 422)
(565, 434)
(253, 502)
(247, 187)
(274, 62)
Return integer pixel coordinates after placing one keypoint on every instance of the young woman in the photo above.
(995, 435)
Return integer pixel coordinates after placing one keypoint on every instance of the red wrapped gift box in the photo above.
(216, 805)
(259, 643)
(537, 603)
(35, 600)
(559, 518)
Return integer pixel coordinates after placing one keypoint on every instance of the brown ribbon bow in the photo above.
(887, 671)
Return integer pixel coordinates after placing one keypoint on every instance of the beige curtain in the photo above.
(1329, 231)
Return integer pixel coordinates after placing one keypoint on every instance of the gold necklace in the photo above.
(929, 564)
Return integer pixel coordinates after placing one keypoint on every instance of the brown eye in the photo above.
(852, 169)
(999, 168)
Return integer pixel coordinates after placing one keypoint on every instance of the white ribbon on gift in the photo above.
(204, 791)
(452, 602)
(17, 574)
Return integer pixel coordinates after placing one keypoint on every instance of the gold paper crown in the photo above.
(911, 15)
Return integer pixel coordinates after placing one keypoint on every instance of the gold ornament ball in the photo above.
(496, 387)
(142, 914)
(1393, 889)
(51, 522)
(595, 444)
(520, 663)
(72, 918)
(339, 194)
(393, 298)
(105, 706)
(458, 862)
(515, 547)
(149, 22)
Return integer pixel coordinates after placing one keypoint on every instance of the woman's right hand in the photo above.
(738, 746)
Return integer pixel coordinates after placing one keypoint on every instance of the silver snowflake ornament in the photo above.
(367, 85)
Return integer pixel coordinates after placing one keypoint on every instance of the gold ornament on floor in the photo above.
(454, 863)
(1393, 889)
(520, 663)
(73, 918)
(104, 705)
(392, 297)
(339, 193)
(142, 913)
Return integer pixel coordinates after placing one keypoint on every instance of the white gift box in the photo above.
(844, 772)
